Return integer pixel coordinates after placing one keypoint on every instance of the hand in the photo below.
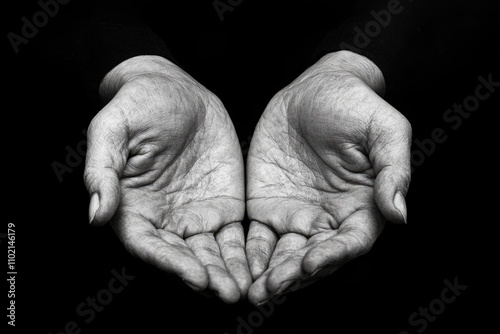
(329, 160)
(164, 164)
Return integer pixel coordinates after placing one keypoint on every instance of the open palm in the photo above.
(328, 162)
(164, 163)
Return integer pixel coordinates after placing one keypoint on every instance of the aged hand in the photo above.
(329, 160)
(164, 165)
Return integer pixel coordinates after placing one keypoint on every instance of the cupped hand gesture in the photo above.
(164, 165)
(329, 162)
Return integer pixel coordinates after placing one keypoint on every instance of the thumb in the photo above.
(389, 152)
(105, 161)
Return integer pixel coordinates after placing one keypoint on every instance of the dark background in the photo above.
(245, 60)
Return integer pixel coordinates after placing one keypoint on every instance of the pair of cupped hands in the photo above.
(328, 164)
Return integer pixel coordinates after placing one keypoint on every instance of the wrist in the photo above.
(357, 65)
(133, 68)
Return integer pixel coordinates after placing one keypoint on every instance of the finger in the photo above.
(286, 273)
(301, 281)
(289, 275)
(305, 282)
(162, 249)
(389, 150)
(231, 242)
(207, 251)
(106, 158)
(287, 245)
(355, 237)
(261, 241)
(261, 290)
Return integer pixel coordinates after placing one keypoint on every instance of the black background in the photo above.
(245, 59)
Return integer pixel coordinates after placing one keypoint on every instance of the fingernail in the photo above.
(400, 204)
(264, 301)
(283, 287)
(316, 272)
(194, 287)
(93, 207)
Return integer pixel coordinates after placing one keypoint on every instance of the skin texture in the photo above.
(328, 164)
(165, 167)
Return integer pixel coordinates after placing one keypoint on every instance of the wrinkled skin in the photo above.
(329, 162)
(164, 165)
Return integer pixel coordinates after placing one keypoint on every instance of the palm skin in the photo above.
(326, 161)
(164, 165)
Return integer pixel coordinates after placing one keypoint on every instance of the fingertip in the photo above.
(394, 208)
(103, 214)
(325, 254)
(278, 286)
(389, 197)
(224, 287)
(196, 276)
(310, 263)
(241, 276)
(230, 298)
(400, 205)
(257, 293)
(101, 218)
(252, 296)
(195, 287)
(275, 280)
(104, 202)
(93, 207)
(244, 284)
